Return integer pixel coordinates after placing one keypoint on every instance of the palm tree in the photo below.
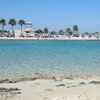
(3, 23)
(12, 22)
(21, 23)
(68, 30)
(46, 30)
(75, 28)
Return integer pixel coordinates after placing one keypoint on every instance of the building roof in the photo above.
(28, 23)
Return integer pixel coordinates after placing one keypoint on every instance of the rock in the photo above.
(14, 89)
(71, 86)
(12, 81)
(82, 83)
(94, 82)
(56, 79)
(8, 90)
(7, 93)
(60, 85)
(71, 77)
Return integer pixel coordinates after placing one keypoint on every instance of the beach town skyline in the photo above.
(54, 14)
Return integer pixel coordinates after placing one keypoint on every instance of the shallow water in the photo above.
(18, 57)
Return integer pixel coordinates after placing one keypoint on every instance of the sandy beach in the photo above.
(57, 38)
(83, 88)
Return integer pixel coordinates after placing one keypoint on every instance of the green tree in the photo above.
(68, 30)
(61, 32)
(21, 23)
(53, 33)
(75, 28)
(12, 22)
(3, 23)
(46, 30)
(39, 31)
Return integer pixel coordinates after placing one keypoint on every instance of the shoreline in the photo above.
(61, 38)
(42, 76)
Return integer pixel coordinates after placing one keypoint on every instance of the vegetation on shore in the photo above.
(74, 31)
(21, 22)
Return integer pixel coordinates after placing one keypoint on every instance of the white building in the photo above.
(27, 30)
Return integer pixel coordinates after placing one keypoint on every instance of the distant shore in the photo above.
(59, 38)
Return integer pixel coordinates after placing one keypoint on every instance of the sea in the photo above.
(25, 57)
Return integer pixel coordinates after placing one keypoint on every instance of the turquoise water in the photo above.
(70, 57)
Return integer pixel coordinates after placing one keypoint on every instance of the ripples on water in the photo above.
(26, 57)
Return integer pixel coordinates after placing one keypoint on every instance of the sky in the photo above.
(54, 14)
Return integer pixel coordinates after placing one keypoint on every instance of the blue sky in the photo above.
(54, 14)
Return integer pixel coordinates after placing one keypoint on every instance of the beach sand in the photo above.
(56, 38)
(51, 89)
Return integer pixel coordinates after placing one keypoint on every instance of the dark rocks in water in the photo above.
(25, 78)
(3, 81)
(94, 82)
(36, 76)
(8, 81)
(12, 81)
(16, 80)
(60, 85)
